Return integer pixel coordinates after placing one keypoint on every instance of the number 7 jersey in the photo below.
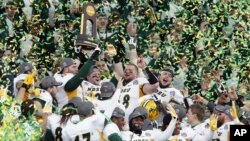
(130, 95)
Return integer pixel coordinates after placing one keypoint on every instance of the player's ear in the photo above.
(87, 77)
(159, 74)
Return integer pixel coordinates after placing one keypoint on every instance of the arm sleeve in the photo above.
(167, 133)
(114, 81)
(48, 135)
(76, 81)
(111, 130)
(152, 79)
(114, 137)
(186, 103)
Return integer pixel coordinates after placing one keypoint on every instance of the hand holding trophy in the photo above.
(110, 50)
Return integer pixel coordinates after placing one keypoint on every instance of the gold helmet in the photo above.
(152, 109)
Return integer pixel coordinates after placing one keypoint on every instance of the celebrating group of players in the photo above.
(133, 105)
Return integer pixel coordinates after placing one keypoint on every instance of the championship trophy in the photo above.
(86, 40)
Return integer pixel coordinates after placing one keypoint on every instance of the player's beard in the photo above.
(135, 128)
(163, 86)
(126, 81)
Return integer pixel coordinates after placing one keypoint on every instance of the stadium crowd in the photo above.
(163, 70)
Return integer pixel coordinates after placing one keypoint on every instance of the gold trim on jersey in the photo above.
(141, 91)
(83, 95)
(101, 138)
(72, 94)
(91, 96)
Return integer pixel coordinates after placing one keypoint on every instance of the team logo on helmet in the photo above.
(152, 109)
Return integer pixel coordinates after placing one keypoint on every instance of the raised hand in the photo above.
(74, 7)
(172, 111)
(131, 29)
(233, 112)
(132, 43)
(213, 122)
(157, 54)
(216, 75)
(77, 49)
(183, 63)
(29, 79)
(111, 51)
(95, 54)
(97, 48)
(197, 98)
(141, 63)
(185, 91)
(232, 93)
(205, 84)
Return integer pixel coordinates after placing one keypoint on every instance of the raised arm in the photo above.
(28, 81)
(118, 68)
(76, 81)
(132, 53)
(167, 133)
(153, 84)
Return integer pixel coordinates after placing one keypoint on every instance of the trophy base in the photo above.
(86, 44)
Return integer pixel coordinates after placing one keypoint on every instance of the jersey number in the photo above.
(98, 95)
(84, 136)
(126, 99)
(59, 134)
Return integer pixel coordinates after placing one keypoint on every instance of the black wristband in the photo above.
(186, 103)
(95, 55)
(151, 77)
(116, 59)
(25, 86)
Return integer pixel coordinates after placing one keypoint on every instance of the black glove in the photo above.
(25, 86)
(95, 55)
(117, 59)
